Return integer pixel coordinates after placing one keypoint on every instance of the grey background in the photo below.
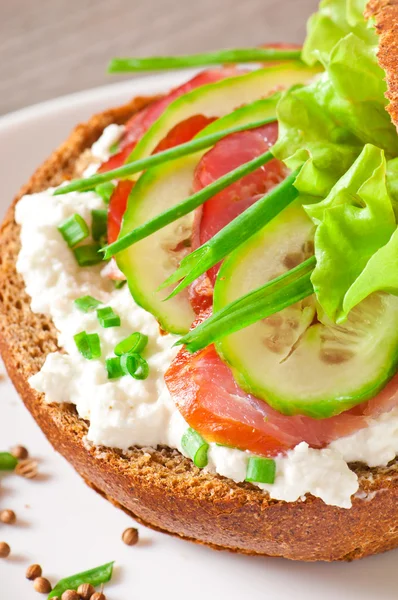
(52, 47)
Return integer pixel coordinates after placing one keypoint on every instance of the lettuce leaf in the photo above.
(337, 129)
(333, 21)
(324, 126)
(380, 274)
(353, 222)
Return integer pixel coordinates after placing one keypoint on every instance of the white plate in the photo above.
(65, 526)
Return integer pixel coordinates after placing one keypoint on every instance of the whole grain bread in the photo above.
(160, 488)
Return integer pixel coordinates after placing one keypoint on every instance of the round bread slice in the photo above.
(160, 488)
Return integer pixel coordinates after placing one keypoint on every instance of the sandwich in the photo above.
(199, 295)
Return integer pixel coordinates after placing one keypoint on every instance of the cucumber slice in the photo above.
(298, 360)
(220, 98)
(148, 263)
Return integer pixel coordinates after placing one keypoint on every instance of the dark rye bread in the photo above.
(160, 488)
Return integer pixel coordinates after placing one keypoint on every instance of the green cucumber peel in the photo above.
(95, 577)
(233, 235)
(274, 296)
(204, 59)
(187, 206)
(131, 168)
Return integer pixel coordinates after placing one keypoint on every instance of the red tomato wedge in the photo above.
(140, 123)
(226, 155)
(117, 208)
(210, 400)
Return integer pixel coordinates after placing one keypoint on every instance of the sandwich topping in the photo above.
(252, 215)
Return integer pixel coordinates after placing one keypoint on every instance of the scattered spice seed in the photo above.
(130, 536)
(33, 572)
(8, 516)
(4, 550)
(98, 596)
(70, 595)
(27, 468)
(86, 590)
(42, 585)
(20, 452)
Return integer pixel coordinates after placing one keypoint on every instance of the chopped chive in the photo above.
(114, 148)
(114, 367)
(120, 283)
(135, 365)
(74, 230)
(135, 342)
(232, 235)
(196, 447)
(186, 206)
(105, 190)
(218, 57)
(87, 303)
(199, 143)
(88, 256)
(88, 344)
(261, 470)
(263, 302)
(99, 223)
(8, 462)
(107, 317)
(94, 577)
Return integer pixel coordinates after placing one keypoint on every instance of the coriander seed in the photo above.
(33, 572)
(42, 585)
(86, 590)
(27, 468)
(8, 516)
(4, 550)
(98, 596)
(70, 595)
(20, 452)
(130, 536)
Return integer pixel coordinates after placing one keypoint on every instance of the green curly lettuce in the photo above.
(337, 129)
(353, 223)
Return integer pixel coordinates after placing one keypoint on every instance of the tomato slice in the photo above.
(117, 208)
(211, 402)
(140, 123)
(228, 154)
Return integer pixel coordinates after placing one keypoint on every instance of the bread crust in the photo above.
(160, 488)
(384, 14)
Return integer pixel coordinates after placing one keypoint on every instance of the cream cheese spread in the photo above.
(126, 412)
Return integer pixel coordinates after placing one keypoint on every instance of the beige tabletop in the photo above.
(52, 47)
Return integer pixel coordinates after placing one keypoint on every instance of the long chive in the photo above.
(233, 235)
(8, 462)
(218, 57)
(263, 302)
(200, 143)
(186, 206)
(95, 577)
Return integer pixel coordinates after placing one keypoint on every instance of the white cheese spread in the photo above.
(126, 412)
